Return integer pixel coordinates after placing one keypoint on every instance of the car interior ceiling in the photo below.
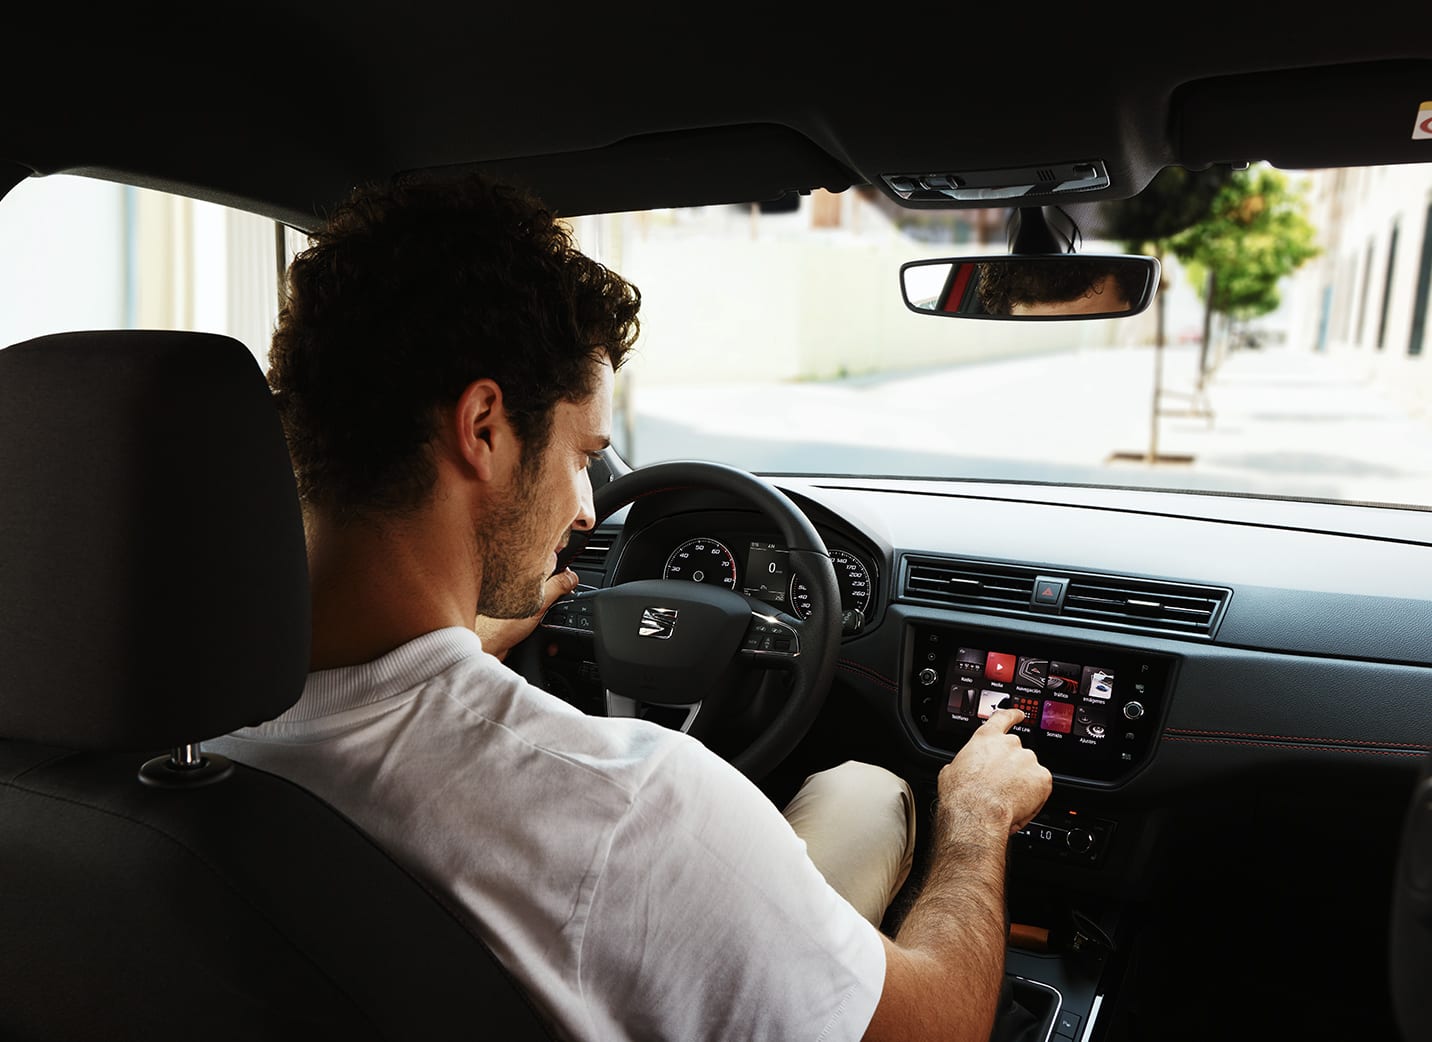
(807, 127)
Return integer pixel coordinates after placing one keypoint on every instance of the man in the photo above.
(1059, 286)
(443, 368)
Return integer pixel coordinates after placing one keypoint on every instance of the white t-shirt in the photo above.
(636, 883)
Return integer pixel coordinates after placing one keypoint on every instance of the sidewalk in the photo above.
(1282, 423)
(1315, 423)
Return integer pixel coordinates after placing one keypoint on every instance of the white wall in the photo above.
(1356, 210)
(835, 309)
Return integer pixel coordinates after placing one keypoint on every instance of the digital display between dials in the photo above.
(767, 566)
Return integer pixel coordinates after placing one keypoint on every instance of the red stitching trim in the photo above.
(1294, 738)
(866, 672)
(1319, 748)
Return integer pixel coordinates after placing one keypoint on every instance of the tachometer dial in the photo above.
(854, 580)
(704, 561)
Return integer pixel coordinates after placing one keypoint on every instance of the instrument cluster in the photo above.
(762, 570)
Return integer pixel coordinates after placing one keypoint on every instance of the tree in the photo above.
(1174, 201)
(1256, 232)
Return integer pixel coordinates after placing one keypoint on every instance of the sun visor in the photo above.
(736, 164)
(1358, 114)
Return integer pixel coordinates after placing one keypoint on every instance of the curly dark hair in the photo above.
(411, 291)
(1011, 282)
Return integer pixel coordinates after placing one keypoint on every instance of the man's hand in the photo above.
(993, 779)
(499, 636)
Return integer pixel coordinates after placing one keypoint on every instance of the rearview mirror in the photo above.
(1056, 287)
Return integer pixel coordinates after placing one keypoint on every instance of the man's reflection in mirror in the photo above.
(1034, 287)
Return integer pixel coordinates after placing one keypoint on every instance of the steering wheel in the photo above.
(691, 645)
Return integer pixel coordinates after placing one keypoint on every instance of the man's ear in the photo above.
(484, 435)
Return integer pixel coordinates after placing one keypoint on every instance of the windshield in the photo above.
(779, 342)
(777, 339)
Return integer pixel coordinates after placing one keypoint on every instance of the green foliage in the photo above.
(1174, 200)
(1256, 232)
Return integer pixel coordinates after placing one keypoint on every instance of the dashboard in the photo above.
(1152, 635)
(1092, 709)
(1234, 696)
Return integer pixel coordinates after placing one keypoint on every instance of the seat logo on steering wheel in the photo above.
(658, 623)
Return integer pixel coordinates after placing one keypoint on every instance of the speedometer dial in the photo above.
(854, 580)
(704, 561)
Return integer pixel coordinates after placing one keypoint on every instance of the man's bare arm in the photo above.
(944, 968)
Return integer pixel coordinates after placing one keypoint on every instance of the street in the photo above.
(1273, 421)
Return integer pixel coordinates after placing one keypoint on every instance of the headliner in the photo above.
(279, 112)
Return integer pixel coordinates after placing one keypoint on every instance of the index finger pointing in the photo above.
(1004, 719)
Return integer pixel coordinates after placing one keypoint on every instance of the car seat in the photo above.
(154, 594)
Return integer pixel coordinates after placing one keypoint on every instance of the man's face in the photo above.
(519, 539)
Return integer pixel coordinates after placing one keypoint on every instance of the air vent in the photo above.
(1119, 602)
(969, 584)
(593, 556)
(1146, 604)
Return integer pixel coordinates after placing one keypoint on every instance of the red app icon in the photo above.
(999, 667)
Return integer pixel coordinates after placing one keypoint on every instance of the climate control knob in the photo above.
(1081, 841)
(927, 676)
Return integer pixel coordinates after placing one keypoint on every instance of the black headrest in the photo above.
(153, 579)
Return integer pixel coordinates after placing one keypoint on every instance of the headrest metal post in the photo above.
(186, 757)
(185, 767)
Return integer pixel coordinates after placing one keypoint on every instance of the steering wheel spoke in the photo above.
(772, 640)
(680, 718)
(572, 613)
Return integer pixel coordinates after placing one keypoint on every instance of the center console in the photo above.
(1093, 711)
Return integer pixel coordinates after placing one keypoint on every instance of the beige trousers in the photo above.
(858, 823)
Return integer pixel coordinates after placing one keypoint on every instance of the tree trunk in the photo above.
(1209, 289)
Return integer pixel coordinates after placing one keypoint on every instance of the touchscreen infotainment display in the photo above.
(1090, 710)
